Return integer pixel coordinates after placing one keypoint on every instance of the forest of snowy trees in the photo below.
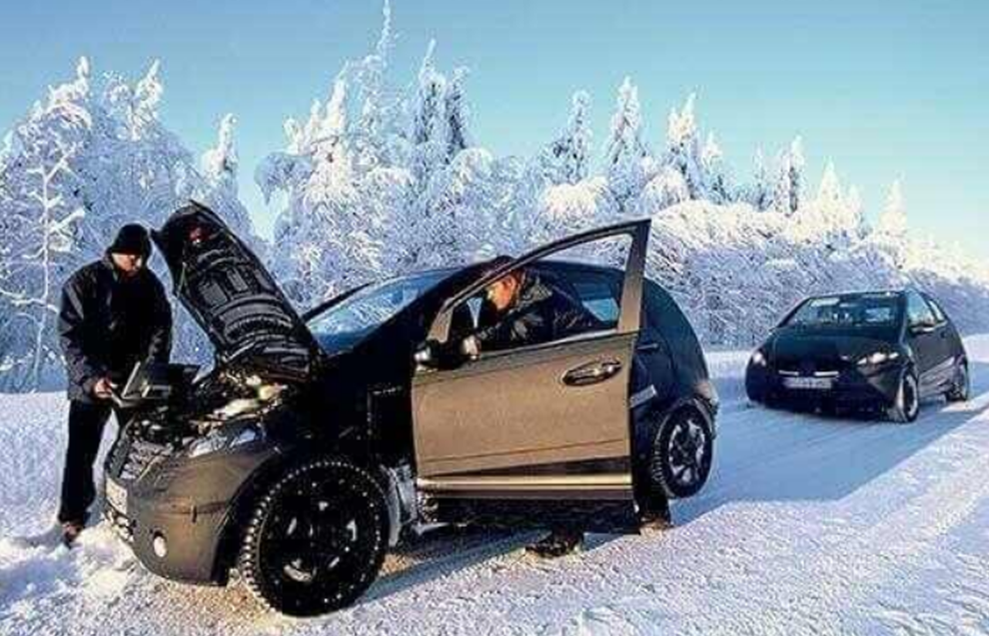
(377, 181)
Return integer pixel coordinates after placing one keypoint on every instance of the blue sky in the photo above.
(884, 89)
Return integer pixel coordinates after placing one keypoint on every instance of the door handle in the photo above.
(592, 373)
(647, 347)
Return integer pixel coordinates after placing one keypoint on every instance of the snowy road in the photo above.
(808, 526)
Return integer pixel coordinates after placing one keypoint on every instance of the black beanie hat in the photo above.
(131, 239)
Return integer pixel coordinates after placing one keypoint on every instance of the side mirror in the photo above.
(427, 355)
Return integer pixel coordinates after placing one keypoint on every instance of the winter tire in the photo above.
(316, 539)
(681, 455)
(906, 404)
(961, 391)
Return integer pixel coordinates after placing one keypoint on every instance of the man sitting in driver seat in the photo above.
(523, 308)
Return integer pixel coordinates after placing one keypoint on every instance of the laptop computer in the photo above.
(155, 382)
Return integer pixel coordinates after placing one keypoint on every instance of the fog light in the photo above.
(159, 545)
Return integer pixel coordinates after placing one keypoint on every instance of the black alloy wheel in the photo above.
(317, 539)
(682, 454)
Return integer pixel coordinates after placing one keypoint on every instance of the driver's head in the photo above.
(503, 293)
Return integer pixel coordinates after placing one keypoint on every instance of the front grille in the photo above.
(810, 367)
(132, 457)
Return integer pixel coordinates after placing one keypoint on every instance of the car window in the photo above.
(559, 301)
(372, 305)
(596, 290)
(918, 311)
(936, 309)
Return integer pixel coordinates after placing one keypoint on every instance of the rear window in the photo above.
(598, 292)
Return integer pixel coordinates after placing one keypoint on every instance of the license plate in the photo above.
(116, 496)
(817, 384)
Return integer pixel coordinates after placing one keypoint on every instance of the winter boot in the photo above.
(70, 532)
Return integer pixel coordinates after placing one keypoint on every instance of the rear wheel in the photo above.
(681, 455)
(316, 539)
(906, 404)
(961, 391)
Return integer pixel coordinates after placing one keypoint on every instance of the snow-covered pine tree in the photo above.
(829, 214)
(893, 219)
(683, 150)
(457, 114)
(856, 218)
(371, 147)
(560, 197)
(788, 190)
(568, 156)
(219, 166)
(624, 148)
(718, 182)
(760, 193)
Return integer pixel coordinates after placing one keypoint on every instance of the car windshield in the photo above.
(345, 324)
(862, 310)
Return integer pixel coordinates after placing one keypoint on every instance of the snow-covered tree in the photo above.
(717, 179)
(568, 157)
(788, 190)
(893, 219)
(456, 111)
(666, 189)
(856, 219)
(683, 149)
(624, 148)
(760, 192)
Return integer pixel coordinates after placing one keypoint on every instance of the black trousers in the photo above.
(86, 424)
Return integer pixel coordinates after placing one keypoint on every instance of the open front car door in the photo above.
(536, 435)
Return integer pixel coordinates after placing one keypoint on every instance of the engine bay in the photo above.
(220, 397)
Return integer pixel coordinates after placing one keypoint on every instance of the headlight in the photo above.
(877, 358)
(759, 359)
(218, 439)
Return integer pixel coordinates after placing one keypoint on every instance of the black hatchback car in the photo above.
(318, 441)
(884, 350)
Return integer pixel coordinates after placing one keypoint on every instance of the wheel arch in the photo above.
(268, 473)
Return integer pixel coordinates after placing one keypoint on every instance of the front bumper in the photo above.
(174, 514)
(852, 388)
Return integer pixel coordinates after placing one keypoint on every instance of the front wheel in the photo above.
(681, 455)
(317, 538)
(906, 403)
(961, 390)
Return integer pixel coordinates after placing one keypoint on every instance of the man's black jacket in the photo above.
(544, 311)
(108, 322)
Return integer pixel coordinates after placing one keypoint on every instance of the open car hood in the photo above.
(232, 296)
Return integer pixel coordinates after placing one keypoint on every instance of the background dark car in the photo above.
(318, 441)
(886, 350)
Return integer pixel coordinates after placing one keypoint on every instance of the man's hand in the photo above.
(103, 389)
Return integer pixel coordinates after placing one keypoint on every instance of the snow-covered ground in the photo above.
(808, 526)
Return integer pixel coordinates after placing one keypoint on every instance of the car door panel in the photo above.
(532, 416)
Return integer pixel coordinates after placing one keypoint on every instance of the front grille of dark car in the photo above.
(810, 367)
(132, 457)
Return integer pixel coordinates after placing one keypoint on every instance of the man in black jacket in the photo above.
(114, 314)
(524, 309)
